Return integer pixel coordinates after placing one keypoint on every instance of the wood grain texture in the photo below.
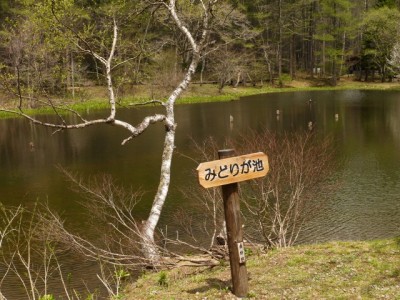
(234, 232)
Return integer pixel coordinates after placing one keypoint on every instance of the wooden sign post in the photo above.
(226, 172)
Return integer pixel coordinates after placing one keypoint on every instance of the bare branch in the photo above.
(148, 102)
(62, 25)
(8, 217)
(140, 128)
(172, 9)
(120, 219)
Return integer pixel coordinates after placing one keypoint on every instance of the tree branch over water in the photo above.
(198, 42)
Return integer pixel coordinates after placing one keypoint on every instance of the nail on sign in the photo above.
(233, 169)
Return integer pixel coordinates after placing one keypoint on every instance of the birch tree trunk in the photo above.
(150, 249)
(197, 43)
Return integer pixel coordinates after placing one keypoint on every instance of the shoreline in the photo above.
(309, 280)
(95, 98)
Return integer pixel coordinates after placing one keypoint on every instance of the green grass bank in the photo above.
(95, 97)
(335, 270)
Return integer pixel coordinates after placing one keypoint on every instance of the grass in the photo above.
(93, 98)
(335, 270)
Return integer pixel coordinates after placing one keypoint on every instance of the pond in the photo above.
(365, 126)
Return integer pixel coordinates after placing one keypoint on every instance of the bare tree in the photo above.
(208, 203)
(28, 256)
(198, 42)
(110, 210)
(119, 234)
(197, 50)
(30, 248)
(278, 206)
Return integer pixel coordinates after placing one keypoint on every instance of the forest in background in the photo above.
(253, 42)
(49, 48)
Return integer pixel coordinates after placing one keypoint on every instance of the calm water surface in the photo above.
(366, 132)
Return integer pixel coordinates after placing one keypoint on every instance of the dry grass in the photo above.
(336, 270)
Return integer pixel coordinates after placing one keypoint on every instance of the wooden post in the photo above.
(234, 233)
(227, 172)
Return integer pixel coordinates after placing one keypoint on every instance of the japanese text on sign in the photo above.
(233, 169)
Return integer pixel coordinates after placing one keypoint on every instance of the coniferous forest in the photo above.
(260, 41)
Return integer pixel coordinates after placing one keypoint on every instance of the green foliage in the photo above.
(387, 3)
(121, 274)
(251, 294)
(90, 296)
(248, 252)
(334, 25)
(4, 8)
(162, 279)
(284, 79)
(47, 297)
(120, 296)
(43, 43)
(381, 27)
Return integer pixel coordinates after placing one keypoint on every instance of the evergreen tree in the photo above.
(333, 30)
(380, 33)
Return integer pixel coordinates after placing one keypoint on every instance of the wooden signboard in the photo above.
(226, 172)
(233, 169)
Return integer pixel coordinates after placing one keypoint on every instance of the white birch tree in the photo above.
(198, 42)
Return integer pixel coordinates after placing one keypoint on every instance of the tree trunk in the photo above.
(149, 246)
(311, 32)
(67, 70)
(176, 64)
(279, 48)
(72, 75)
(323, 58)
(343, 54)
(150, 250)
(334, 71)
(203, 66)
(334, 62)
(239, 76)
(293, 56)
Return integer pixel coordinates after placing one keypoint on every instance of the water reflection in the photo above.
(365, 125)
(367, 134)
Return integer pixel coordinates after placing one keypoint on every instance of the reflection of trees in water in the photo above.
(393, 120)
(368, 123)
(22, 144)
(364, 117)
